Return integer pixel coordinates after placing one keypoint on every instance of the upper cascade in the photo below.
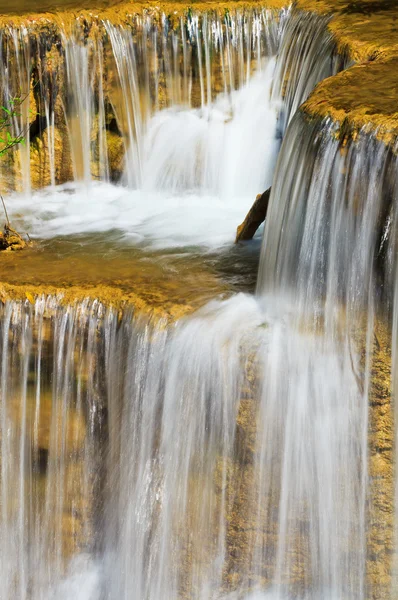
(92, 88)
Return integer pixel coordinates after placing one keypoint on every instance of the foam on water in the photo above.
(82, 581)
(146, 218)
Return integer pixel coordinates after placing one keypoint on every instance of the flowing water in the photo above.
(338, 262)
(244, 451)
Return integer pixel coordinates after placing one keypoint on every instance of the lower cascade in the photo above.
(157, 444)
(176, 467)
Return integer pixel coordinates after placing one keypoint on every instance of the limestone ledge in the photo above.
(365, 96)
(160, 308)
(122, 12)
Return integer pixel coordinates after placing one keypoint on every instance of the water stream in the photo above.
(244, 451)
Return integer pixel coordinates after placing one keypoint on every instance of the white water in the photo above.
(330, 243)
(166, 490)
(111, 80)
(191, 173)
(202, 168)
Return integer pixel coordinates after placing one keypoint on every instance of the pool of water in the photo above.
(103, 234)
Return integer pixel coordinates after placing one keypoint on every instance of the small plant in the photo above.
(8, 115)
(9, 238)
(227, 17)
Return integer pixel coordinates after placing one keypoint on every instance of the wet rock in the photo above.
(380, 534)
(50, 159)
(10, 240)
(55, 428)
(116, 152)
(364, 95)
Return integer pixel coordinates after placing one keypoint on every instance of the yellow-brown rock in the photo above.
(41, 170)
(116, 152)
(380, 534)
(116, 11)
(366, 94)
(11, 240)
(53, 427)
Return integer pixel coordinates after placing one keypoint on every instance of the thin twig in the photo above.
(5, 210)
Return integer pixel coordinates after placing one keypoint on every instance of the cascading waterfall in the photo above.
(307, 55)
(330, 244)
(170, 109)
(235, 453)
(48, 428)
(101, 88)
(190, 110)
(98, 85)
(118, 443)
(342, 248)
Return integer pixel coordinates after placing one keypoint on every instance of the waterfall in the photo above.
(49, 426)
(118, 443)
(308, 54)
(97, 86)
(244, 451)
(101, 88)
(329, 250)
(142, 464)
(184, 115)
(177, 114)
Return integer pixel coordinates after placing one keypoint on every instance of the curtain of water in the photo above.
(50, 421)
(330, 243)
(118, 446)
(308, 54)
(95, 87)
(138, 464)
